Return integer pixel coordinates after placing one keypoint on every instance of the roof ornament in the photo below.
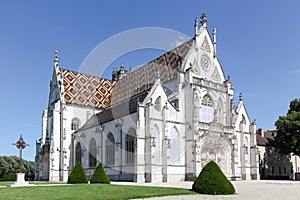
(241, 97)
(56, 60)
(158, 74)
(204, 19)
(215, 40)
(196, 26)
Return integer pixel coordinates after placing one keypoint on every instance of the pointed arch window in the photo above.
(207, 109)
(75, 124)
(78, 153)
(110, 150)
(92, 153)
(157, 104)
(174, 157)
(130, 146)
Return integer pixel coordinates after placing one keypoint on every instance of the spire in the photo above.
(204, 19)
(196, 26)
(56, 61)
(215, 40)
(241, 97)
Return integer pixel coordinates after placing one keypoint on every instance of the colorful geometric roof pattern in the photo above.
(142, 79)
(86, 90)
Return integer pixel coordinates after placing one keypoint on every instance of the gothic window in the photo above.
(220, 111)
(174, 157)
(110, 149)
(130, 147)
(157, 104)
(75, 124)
(92, 153)
(207, 109)
(78, 153)
(246, 143)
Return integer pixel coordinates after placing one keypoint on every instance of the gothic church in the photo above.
(159, 123)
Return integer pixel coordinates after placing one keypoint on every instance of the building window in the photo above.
(272, 170)
(92, 153)
(279, 170)
(284, 170)
(174, 157)
(130, 148)
(110, 149)
(75, 124)
(207, 109)
(157, 104)
(78, 153)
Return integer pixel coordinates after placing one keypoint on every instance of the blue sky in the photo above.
(258, 46)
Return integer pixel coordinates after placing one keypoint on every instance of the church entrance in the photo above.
(214, 150)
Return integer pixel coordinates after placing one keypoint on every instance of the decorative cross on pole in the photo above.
(21, 144)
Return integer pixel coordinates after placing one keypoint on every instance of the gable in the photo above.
(202, 60)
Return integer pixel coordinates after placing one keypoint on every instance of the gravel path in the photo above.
(246, 190)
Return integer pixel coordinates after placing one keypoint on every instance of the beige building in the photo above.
(273, 165)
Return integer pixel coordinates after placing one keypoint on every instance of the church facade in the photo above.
(159, 123)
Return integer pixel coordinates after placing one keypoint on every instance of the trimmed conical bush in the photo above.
(78, 175)
(99, 175)
(211, 180)
(11, 177)
(5, 177)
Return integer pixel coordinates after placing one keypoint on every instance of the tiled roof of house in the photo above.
(86, 90)
(264, 138)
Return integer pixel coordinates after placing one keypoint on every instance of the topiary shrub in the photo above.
(5, 177)
(99, 175)
(211, 180)
(11, 177)
(77, 175)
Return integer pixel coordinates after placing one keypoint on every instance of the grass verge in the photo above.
(93, 191)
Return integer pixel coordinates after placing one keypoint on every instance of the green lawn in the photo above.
(92, 191)
(4, 183)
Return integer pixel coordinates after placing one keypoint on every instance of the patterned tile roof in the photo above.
(142, 79)
(86, 90)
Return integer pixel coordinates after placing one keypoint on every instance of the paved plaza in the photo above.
(248, 190)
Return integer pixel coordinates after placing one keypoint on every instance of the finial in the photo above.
(228, 78)
(241, 97)
(215, 40)
(56, 61)
(196, 26)
(204, 19)
(158, 74)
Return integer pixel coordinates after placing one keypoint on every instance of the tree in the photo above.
(211, 180)
(99, 175)
(287, 139)
(10, 164)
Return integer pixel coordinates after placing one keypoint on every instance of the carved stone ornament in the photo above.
(205, 62)
(205, 45)
(216, 76)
